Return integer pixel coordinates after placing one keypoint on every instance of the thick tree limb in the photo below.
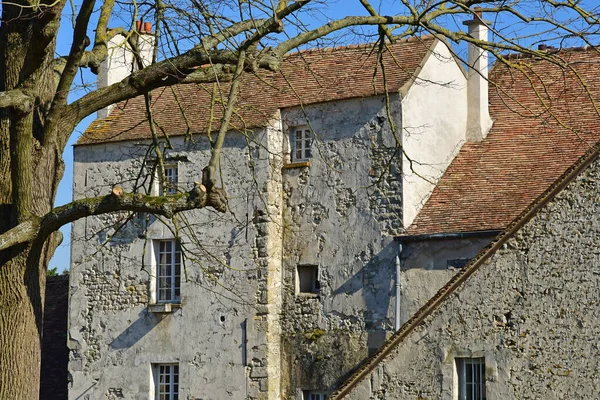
(21, 233)
(167, 206)
(16, 99)
(372, 11)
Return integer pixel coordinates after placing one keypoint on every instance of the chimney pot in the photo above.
(478, 12)
(147, 27)
(138, 25)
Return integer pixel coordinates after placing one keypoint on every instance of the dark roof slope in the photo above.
(305, 77)
(55, 354)
(545, 118)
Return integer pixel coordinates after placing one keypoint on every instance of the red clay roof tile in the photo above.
(545, 118)
(306, 77)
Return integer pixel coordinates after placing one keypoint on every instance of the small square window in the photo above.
(471, 378)
(302, 139)
(166, 381)
(314, 395)
(168, 271)
(308, 279)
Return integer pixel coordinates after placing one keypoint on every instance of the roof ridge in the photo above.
(409, 39)
(537, 54)
(457, 280)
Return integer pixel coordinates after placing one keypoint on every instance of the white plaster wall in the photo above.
(218, 336)
(424, 269)
(434, 115)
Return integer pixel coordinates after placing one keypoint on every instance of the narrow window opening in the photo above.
(313, 395)
(166, 381)
(168, 271)
(302, 143)
(308, 279)
(171, 179)
(471, 378)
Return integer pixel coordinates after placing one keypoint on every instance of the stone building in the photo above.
(521, 319)
(285, 294)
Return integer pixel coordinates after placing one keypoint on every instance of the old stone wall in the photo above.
(218, 335)
(531, 311)
(339, 214)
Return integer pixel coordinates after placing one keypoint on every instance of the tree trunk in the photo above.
(21, 293)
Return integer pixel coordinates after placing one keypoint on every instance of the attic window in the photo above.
(302, 140)
(307, 279)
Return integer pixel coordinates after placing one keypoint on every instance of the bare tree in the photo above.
(197, 41)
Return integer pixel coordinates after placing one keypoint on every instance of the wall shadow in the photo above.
(137, 330)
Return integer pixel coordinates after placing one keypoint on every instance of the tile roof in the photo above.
(306, 77)
(545, 118)
(55, 353)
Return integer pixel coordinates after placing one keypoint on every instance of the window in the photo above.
(168, 270)
(308, 279)
(471, 378)
(166, 381)
(313, 395)
(302, 142)
(169, 186)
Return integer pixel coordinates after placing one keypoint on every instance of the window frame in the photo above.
(173, 271)
(315, 284)
(172, 390)
(314, 395)
(305, 140)
(169, 186)
(477, 378)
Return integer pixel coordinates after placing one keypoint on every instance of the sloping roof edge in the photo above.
(404, 89)
(457, 280)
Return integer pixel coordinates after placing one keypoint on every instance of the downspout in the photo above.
(398, 287)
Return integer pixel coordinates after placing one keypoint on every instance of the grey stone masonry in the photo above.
(532, 311)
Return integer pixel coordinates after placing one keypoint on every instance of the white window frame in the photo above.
(470, 373)
(171, 179)
(301, 139)
(314, 395)
(166, 381)
(167, 285)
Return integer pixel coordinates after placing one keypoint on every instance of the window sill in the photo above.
(163, 308)
(308, 295)
(297, 164)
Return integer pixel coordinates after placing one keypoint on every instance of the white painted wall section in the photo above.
(434, 118)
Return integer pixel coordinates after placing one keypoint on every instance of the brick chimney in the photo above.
(479, 121)
(120, 62)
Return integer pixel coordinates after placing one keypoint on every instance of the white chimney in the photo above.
(120, 62)
(478, 113)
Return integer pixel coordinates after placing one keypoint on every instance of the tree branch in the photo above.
(166, 206)
(118, 200)
(22, 233)
(16, 99)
